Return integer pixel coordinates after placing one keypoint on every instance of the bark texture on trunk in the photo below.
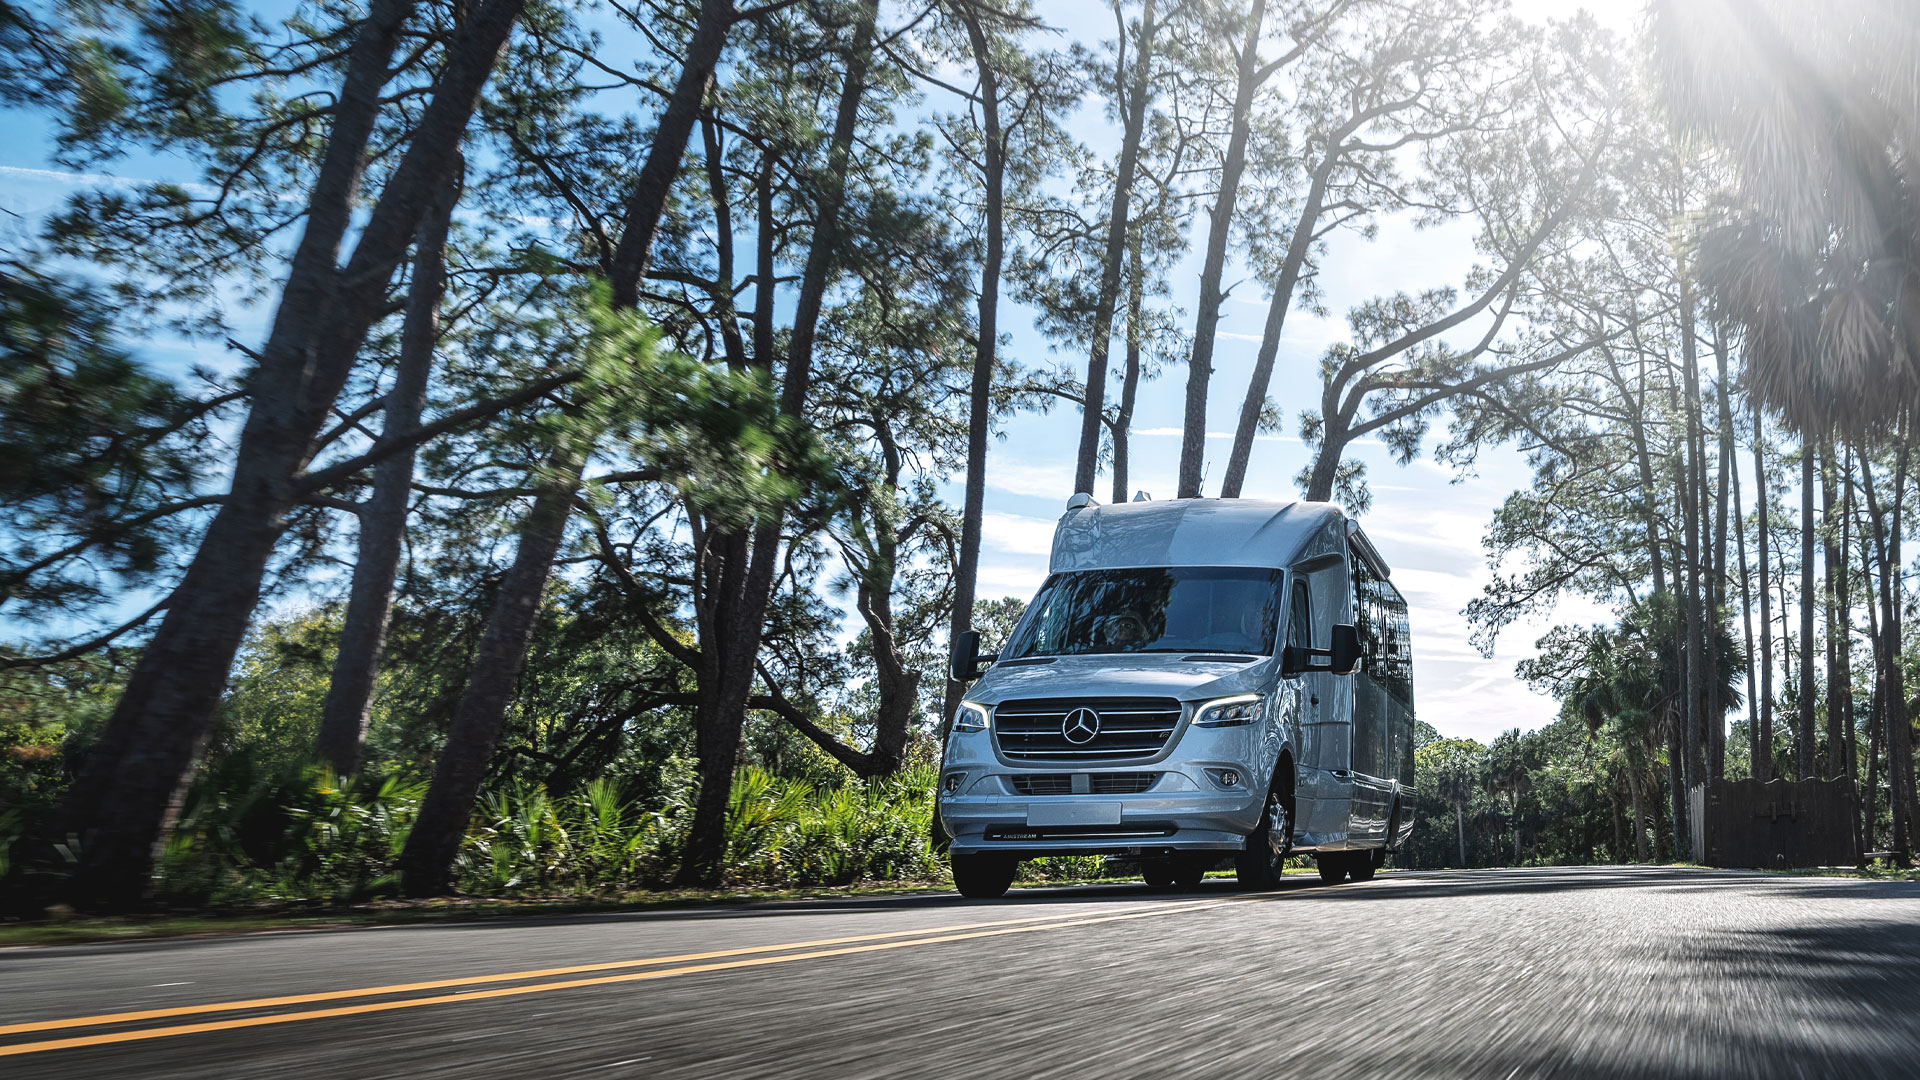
(383, 517)
(980, 391)
(748, 575)
(1807, 737)
(1296, 258)
(1087, 464)
(669, 146)
(1762, 748)
(130, 787)
(1130, 381)
(427, 860)
(1193, 441)
(1839, 688)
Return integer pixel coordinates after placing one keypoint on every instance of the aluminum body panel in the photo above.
(1192, 532)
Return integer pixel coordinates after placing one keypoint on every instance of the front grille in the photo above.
(1043, 784)
(1129, 783)
(1098, 783)
(1032, 729)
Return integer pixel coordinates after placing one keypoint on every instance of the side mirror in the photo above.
(1346, 649)
(963, 664)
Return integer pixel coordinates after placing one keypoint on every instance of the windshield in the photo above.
(1228, 609)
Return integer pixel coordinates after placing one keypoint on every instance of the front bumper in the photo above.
(1146, 824)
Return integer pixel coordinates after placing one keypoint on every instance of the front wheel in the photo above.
(1333, 867)
(1261, 861)
(1159, 873)
(983, 877)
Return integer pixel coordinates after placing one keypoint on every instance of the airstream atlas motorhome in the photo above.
(1196, 679)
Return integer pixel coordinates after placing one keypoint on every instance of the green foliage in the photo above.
(95, 452)
(309, 837)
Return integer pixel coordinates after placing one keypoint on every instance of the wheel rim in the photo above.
(1279, 833)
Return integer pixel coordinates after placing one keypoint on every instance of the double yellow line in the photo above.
(660, 967)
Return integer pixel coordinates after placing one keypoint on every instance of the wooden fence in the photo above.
(1775, 825)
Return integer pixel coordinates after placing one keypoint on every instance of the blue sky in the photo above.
(1426, 521)
(1426, 525)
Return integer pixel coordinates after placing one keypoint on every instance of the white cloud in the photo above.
(1042, 480)
(1017, 534)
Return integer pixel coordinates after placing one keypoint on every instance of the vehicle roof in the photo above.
(1198, 532)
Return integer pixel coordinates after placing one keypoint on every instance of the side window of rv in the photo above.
(1366, 619)
(1299, 618)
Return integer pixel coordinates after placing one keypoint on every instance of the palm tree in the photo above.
(1818, 255)
(1631, 690)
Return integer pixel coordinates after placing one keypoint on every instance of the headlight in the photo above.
(971, 716)
(1230, 712)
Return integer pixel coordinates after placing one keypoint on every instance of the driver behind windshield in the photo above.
(1125, 632)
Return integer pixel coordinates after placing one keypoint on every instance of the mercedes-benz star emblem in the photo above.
(1080, 726)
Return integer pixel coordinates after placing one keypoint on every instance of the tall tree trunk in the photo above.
(1808, 738)
(1746, 616)
(1762, 748)
(1892, 706)
(721, 714)
(1193, 441)
(1087, 465)
(669, 146)
(1130, 381)
(1692, 491)
(129, 790)
(1296, 258)
(979, 396)
(1639, 815)
(1899, 722)
(1460, 830)
(1844, 601)
(1643, 457)
(383, 518)
(1677, 789)
(1839, 685)
(1334, 437)
(1717, 592)
(426, 862)
(1876, 713)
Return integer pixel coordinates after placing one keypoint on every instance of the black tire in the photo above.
(1189, 873)
(983, 877)
(1333, 867)
(1364, 863)
(1159, 873)
(1259, 863)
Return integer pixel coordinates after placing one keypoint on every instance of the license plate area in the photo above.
(1074, 813)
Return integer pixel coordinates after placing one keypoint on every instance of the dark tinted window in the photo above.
(1154, 609)
(1380, 615)
(1300, 618)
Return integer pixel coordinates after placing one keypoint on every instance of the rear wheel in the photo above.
(1365, 863)
(1160, 873)
(1259, 863)
(983, 877)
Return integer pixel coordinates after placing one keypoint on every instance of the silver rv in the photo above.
(1197, 679)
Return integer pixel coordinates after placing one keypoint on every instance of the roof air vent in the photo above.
(1141, 496)
(1080, 501)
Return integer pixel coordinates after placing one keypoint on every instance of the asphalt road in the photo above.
(1578, 972)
